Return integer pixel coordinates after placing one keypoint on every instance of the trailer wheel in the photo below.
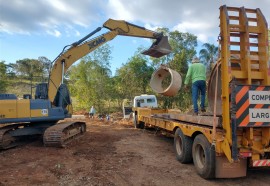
(203, 157)
(182, 147)
(141, 125)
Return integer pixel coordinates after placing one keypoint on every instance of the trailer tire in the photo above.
(141, 125)
(183, 146)
(203, 157)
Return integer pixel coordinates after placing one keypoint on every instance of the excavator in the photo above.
(44, 114)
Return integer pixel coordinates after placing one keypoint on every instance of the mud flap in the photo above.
(225, 169)
(159, 48)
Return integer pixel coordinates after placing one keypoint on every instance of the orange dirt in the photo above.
(110, 153)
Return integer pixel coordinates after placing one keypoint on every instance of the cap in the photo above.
(195, 60)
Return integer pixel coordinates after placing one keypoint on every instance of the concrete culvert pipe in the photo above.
(211, 89)
(162, 76)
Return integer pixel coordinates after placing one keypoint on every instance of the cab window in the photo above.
(150, 100)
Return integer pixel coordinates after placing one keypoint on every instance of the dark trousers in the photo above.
(198, 87)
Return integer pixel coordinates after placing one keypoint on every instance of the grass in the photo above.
(19, 87)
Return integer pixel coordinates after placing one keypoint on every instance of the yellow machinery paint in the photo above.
(19, 109)
(236, 135)
(15, 108)
(238, 32)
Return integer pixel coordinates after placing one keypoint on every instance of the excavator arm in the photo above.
(82, 47)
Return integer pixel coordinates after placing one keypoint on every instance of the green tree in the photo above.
(46, 65)
(29, 68)
(11, 70)
(209, 55)
(3, 75)
(133, 78)
(90, 79)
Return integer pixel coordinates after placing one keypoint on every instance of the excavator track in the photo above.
(61, 134)
(6, 140)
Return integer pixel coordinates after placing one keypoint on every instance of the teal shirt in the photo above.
(196, 71)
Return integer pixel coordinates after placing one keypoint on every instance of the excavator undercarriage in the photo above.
(63, 133)
(54, 135)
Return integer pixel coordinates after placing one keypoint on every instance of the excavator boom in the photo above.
(81, 48)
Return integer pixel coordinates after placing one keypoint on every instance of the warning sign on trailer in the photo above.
(259, 115)
(253, 106)
(259, 97)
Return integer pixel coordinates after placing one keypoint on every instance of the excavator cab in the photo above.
(159, 48)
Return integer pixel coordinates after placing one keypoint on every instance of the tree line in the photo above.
(91, 82)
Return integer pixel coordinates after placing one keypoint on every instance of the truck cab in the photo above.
(145, 100)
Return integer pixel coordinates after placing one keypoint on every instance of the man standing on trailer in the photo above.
(197, 74)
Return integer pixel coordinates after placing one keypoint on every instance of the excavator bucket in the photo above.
(159, 48)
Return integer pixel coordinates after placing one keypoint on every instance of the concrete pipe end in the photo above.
(212, 90)
(160, 75)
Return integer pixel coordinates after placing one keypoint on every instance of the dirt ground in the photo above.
(110, 153)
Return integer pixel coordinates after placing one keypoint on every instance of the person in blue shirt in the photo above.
(92, 112)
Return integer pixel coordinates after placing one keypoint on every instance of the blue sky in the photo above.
(33, 28)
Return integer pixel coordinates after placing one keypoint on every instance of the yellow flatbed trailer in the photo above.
(236, 134)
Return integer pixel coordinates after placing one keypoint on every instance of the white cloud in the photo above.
(150, 27)
(77, 33)
(186, 26)
(59, 5)
(22, 17)
(119, 10)
(197, 28)
(68, 16)
(197, 17)
(203, 38)
(55, 33)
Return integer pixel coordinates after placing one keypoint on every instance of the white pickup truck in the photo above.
(144, 100)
